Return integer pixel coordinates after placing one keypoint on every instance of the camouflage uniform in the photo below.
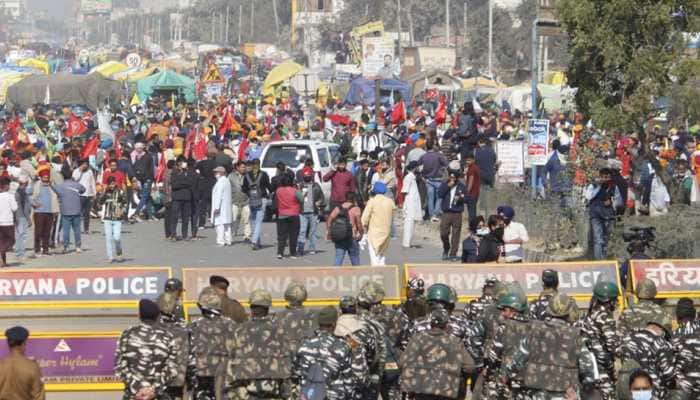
(653, 354)
(688, 365)
(178, 311)
(146, 357)
(414, 307)
(538, 308)
(599, 330)
(181, 334)
(475, 309)
(262, 365)
(686, 328)
(298, 322)
(637, 315)
(173, 288)
(232, 309)
(435, 362)
(345, 370)
(506, 340)
(456, 327)
(552, 357)
(212, 347)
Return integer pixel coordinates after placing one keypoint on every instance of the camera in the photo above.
(644, 234)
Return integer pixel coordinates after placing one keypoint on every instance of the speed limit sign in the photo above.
(133, 60)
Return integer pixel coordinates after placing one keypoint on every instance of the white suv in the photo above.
(293, 153)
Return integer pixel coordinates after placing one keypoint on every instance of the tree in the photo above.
(624, 55)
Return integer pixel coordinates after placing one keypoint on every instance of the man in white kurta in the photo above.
(412, 210)
(221, 213)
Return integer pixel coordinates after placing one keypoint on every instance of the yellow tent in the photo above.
(138, 75)
(473, 83)
(8, 79)
(280, 74)
(110, 68)
(35, 63)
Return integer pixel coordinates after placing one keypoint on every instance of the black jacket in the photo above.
(182, 183)
(143, 168)
(206, 179)
(489, 248)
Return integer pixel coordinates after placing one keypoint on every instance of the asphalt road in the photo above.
(144, 244)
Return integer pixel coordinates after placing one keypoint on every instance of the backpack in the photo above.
(314, 387)
(341, 228)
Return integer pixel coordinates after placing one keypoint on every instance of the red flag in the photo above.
(398, 114)
(90, 148)
(242, 148)
(160, 171)
(76, 126)
(227, 123)
(441, 112)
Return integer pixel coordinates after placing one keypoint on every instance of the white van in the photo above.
(293, 153)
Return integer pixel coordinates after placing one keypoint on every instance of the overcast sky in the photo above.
(57, 8)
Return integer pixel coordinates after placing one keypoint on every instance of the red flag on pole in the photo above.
(227, 122)
(76, 126)
(90, 148)
(398, 114)
(242, 148)
(441, 112)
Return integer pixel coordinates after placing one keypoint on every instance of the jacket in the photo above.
(143, 168)
(452, 204)
(36, 190)
(489, 249)
(597, 195)
(69, 197)
(113, 203)
(287, 201)
(182, 183)
(256, 188)
(318, 200)
(20, 378)
(238, 197)
(342, 182)
(24, 203)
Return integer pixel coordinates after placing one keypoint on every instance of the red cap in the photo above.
(307, 171)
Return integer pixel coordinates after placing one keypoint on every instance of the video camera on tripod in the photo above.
(643, 235)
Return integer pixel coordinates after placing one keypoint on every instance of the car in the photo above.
(293, 153)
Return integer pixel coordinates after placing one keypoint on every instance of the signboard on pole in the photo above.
(576, 279)
(325, 285)
(511, 157)
(88, 7)
(538, 141)
(673, 278)
(80, 287)
(377, 52)
(73, 361)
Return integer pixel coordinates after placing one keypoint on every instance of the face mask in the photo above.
(641, 395)
(482, 232)
(183, 165)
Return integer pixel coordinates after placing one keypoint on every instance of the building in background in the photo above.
(307, 17)
(13, 8)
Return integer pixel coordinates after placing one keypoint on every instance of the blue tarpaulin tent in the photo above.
(362, 91)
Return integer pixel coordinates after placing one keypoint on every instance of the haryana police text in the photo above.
(83, 286)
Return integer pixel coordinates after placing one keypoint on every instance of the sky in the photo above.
(58, 8)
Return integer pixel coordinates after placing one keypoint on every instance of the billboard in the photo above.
(73, 361)
(673, 278)
(88, 7)
(378, 57)
(512, 159)
(538, 141)
(325, 285)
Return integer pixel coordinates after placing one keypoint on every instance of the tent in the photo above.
(166, 80)
(433, 79)
(279, 74)
(110, 68)
(35, 63)
(65, 89)
(9, 78)
(481, 85)
(554, 97)
(362, 91)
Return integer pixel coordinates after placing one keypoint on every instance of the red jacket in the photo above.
(287, 201)
(342, 183)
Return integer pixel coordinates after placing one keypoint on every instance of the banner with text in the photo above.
(538, 141)
(82, 284)
(575, 279)
(72, 358)
(322, 283)
(672, 277)
(512, 161)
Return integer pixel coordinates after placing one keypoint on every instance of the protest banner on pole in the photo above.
(511, 158)
(673, 278)
(325, 285)
(80, 287)
(72, 361)
(576, 279)
(538, 141)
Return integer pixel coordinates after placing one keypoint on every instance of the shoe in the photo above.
(246, 241)
(293, 257)
(256, 247)
(280, 256)
(435, 219)
(312, 252)
(78, 250)
(455, 259)
(445, 257)
(119, 259)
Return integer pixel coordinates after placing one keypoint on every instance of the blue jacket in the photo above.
(457, 205)
(69, 196)
(559, 179)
